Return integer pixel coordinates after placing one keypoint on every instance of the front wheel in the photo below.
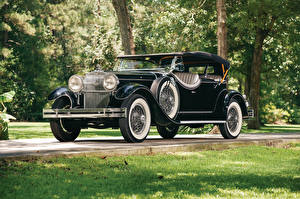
(232, 128)
(64, 130)
(136, 126)
(167, 132)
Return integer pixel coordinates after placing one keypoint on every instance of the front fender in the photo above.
(127, 90)
(158, 115)
(63, 92)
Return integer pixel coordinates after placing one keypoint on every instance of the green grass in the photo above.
(28, 130)
(275, 128)
(247, 172)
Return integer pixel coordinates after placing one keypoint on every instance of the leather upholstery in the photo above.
(188, 80)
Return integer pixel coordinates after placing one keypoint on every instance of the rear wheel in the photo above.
(136, 126)
(232, 128)
(64, 130)
(167, 132)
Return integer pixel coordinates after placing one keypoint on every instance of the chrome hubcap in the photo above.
(233, 119)
(138, 119)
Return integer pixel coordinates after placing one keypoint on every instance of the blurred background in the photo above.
(44, 42)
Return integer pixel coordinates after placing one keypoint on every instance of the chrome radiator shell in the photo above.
(96, 99)
(95, 96)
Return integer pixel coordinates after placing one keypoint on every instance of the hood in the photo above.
(137, 75)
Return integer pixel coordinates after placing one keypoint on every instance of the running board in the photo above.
(204, 122)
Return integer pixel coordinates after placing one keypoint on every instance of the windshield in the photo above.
(137, 65)
(165, 63)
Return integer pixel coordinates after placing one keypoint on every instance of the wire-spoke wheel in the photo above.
(232, 128)
(64, 130)
(168, 98)
(135, 127)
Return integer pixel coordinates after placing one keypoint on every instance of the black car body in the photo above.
(166, 90)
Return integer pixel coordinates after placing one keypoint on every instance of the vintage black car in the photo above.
(165, 90)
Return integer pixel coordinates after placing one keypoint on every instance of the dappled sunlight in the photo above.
(197, 154)
(238, 163)
(267, 174)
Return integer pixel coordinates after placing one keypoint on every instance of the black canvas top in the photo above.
(187, 56)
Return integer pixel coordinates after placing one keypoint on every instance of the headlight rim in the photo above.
(116, 81)
(81, 86)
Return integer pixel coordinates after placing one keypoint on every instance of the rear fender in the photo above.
(224, 99)
(239, 98)
(63, 92)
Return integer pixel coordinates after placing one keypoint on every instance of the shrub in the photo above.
(4, 117)
(271, 114)
(295, 116)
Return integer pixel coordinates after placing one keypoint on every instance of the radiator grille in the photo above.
(96, 99)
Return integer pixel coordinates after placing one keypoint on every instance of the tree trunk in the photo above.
(125, 26)
(222, 29)
(222, 39)
(248, 80)
(255, 78)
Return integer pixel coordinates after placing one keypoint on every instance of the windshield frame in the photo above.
(159, 67)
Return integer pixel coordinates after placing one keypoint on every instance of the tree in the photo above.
(259, 42)
(222, 29)
(264, 14)
(125, 26)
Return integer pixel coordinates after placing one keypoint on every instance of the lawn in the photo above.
(28, 130)
(246, 172)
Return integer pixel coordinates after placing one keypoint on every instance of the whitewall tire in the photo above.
(136, 126)
(232, 128)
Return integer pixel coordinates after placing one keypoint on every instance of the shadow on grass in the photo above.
(102, 178)
(90, 133)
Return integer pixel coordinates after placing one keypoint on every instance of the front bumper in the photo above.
(85, 113)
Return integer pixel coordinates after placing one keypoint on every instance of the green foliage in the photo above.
(270, 114)
(204, 130)
(4, 117)
(7, 97)
(44, 42)
(3, 129)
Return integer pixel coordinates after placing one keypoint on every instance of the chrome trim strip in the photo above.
(204, 122)
(194, 112)
(137, 79)
(85, 113)
(95, 91)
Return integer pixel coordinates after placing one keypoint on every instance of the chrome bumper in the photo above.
(85, 113)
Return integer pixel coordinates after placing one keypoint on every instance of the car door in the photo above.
(203, 98)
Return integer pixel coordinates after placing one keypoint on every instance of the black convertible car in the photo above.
(165, 90)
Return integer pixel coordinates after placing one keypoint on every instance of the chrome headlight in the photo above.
(75, 83)
(110, 82)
